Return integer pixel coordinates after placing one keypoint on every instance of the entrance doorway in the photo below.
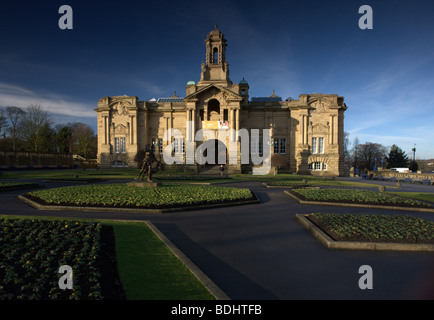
(217, 148)
(213, 110)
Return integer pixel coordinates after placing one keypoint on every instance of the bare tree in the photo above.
(367, 153)
(3, 122)
(14, 115)
(84, 140)
(36, 127)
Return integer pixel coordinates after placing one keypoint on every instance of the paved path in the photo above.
(260, 251)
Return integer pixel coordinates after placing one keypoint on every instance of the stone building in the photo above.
(307, 133)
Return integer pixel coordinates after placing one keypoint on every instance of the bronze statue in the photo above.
(147, 164)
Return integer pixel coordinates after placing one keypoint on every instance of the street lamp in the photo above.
(414, 156)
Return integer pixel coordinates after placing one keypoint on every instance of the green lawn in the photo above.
(147, 268)
(424, 196)
(282, 179)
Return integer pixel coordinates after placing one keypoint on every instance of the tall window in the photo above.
(116, 145)
(254, 146)
(123, 146)
(178, 145)
(321, 145)
(280, 145)
(215, 56)
(314, 144)
(160, 145)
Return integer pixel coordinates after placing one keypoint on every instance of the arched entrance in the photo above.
(214, 152)
(213, 110)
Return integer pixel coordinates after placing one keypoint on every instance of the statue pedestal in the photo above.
(143, 184)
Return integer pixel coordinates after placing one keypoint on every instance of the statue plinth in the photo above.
(143, 184)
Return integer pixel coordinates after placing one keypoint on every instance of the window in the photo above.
(215, 56)
(280, 145)
(160, 145)
(116, 145)
(318, 145)
(318, 166)
(321, 145)
(276, 145)
(254, 146)
(178, 144)
(120, 146)
(123, 146)
(314, 145)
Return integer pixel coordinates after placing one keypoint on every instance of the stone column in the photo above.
(146, 131)
(193, 124)
(132, 129)
(237, 124)
(188, 126)
(106, 129)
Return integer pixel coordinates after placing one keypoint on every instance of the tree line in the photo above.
(367, 156)
(31, 129)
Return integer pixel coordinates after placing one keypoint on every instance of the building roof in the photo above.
(266, 99)
(172, 99)
(244, 81)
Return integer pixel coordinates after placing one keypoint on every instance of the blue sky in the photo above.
(151, 49)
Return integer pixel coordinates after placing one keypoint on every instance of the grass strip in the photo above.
(149, 270)
(423, 196)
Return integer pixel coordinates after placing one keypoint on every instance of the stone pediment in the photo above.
(214, 92)
(121, 129)
(320, 128)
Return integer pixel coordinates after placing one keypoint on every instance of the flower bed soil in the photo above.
(180, 205)
(406, 205)
(361, 238)
(33, 250)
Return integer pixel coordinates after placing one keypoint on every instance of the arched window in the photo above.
(215, 56)
(213, 110)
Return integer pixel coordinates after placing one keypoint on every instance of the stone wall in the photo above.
(29, 160)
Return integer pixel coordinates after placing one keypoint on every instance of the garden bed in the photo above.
(375, 228)
(123, 196)
(357, 196)
(33, 250)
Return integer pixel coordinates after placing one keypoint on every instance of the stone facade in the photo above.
(308, 132)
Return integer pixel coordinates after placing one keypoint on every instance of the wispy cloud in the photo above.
(12, 95)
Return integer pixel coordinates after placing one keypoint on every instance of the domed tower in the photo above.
(215, 69)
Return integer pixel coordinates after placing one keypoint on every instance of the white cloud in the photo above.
(12, 95)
